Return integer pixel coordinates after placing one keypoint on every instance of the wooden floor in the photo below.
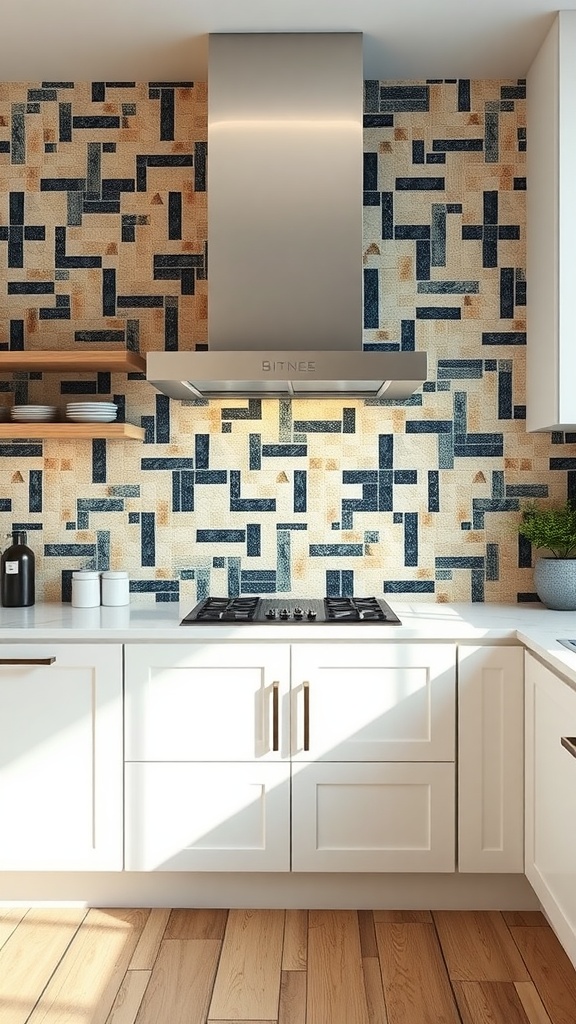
(73, 966)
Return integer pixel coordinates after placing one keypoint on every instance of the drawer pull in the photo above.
(569, 744)
(306, 691)
(275, 718)
(27, 661)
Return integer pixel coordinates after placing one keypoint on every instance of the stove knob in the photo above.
(310, 614)
(284, 613)
(298, 613)
(271, 613)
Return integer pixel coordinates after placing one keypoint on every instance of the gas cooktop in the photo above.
(263, 610)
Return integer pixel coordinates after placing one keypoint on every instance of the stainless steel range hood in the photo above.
(284, 186)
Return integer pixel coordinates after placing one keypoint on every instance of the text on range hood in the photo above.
(284, 184)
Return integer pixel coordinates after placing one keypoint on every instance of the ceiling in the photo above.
(166, 40)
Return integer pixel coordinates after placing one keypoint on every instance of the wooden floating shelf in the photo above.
(71, 431)
(72, 360)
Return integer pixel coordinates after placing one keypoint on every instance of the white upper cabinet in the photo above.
(551, 230)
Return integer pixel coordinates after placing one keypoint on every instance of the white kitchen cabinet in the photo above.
(212, 730)
(551, 230)
(371, 725)
(373, 702)
(491, 759)
(207, 702)
(61, 791)
(551, 797)
(206, 816)
(208, 757)
(373, 817)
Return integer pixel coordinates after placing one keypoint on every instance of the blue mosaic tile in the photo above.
(335, 550)
(410, 538)
(371, 298)
(409, 587)
(433, 490)
(387, 232)
(420, 184)
(300, 490)
(283, 561)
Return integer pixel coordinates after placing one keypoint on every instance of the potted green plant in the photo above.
(553, 528)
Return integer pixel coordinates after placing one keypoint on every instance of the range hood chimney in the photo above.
(284, 186)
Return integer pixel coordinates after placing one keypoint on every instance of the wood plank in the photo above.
(374, 991)
(551, 970)
(416, 985)
(31, 956)
(80, 360)
(149, 942)
(196, 924)
(72, 431)
(86, 981)
(489, 1002)
(478, 946)
(524, 918)
(247, 984)
(533, 1005)
(292, 1007)
(295, 949)
(368, 945)
(10, 918)
(129, 998)
(403, 916)
(335, 980)
(181, 982)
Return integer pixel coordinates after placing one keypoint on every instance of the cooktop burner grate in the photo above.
(278, 610)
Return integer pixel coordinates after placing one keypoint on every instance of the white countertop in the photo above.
(536, 627)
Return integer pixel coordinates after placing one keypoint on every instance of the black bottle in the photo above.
(17, 573)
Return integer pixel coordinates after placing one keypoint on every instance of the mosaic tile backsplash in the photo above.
(103, 243)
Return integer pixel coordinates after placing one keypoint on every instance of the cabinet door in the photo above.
(207, 817)
(373, 702)
(551, 798)
(491, 759)
(61, 757)
(373, 817)
(207, 702)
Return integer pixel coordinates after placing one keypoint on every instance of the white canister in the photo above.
(115, 587)
(85, 589)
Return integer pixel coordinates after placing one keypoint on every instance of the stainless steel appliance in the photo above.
(262, 610)
(285, 281)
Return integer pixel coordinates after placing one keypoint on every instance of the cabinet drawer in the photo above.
(207, 817)
(373, 817)
(207, 702)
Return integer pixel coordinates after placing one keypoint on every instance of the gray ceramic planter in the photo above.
(555, 582)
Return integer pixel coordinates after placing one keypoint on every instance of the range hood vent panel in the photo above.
(285, 177)
(285, 191)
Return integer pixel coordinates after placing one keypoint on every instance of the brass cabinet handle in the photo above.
(275, 717)
(306, 692)
(569, 744)
(27, 661)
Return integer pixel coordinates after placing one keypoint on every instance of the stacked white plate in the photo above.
(91, 412)
(32, 413)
